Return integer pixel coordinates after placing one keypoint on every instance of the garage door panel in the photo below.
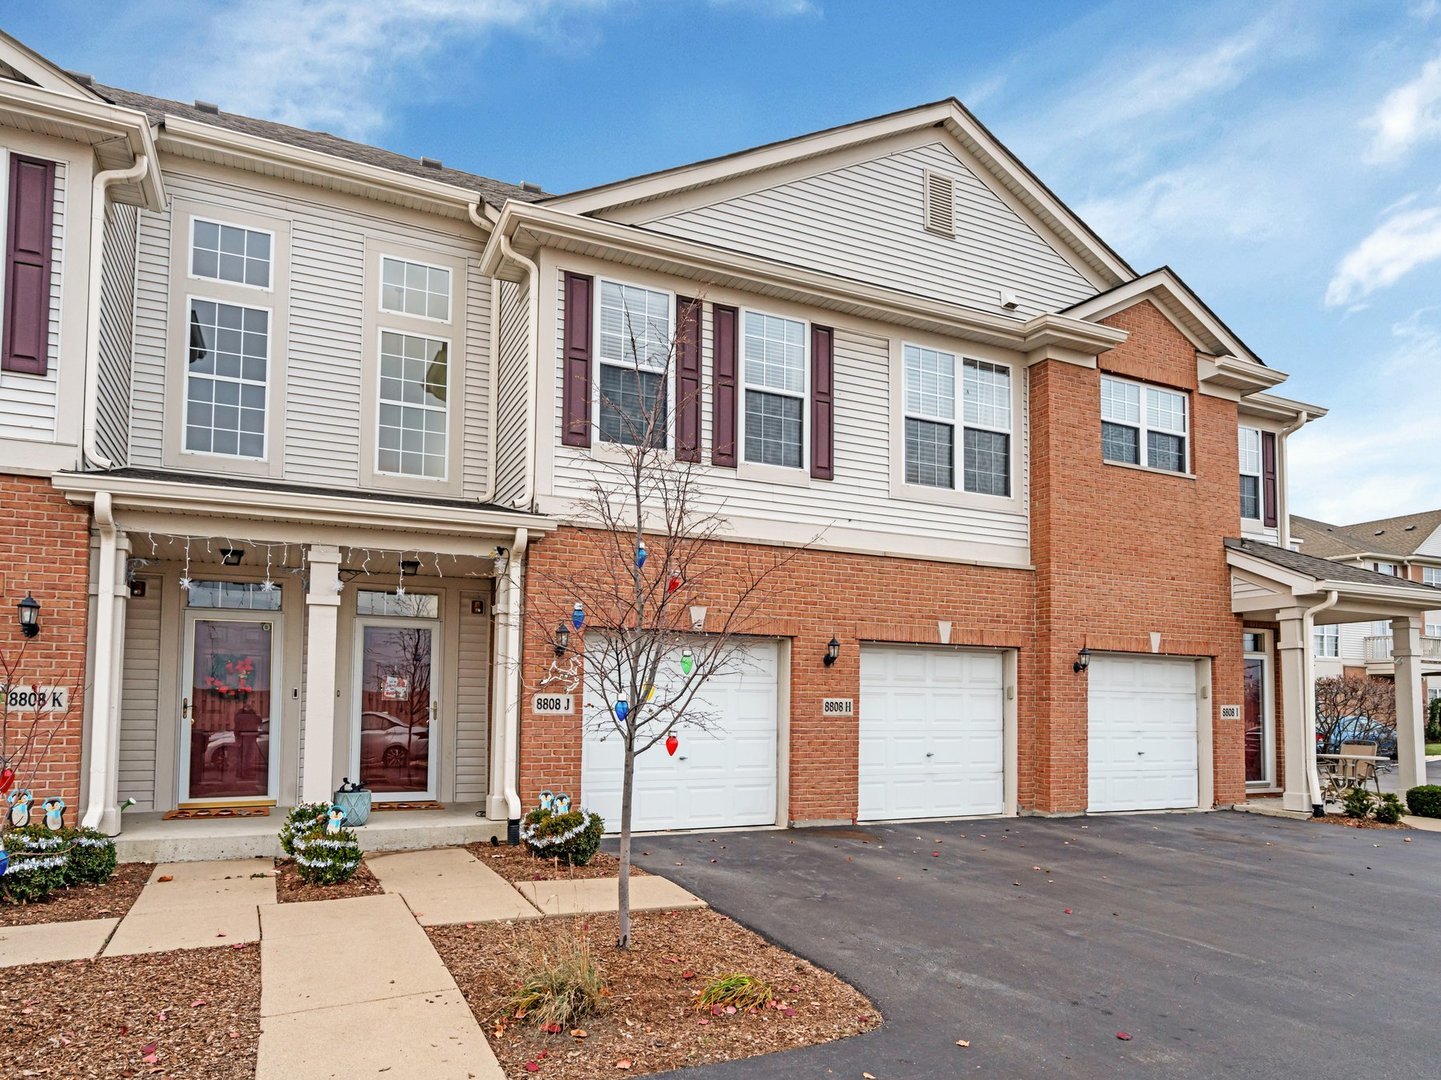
(1142, 742)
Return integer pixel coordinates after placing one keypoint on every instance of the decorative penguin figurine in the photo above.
(54, 814)
(561, 804)
(335, 820)
(20, 808)
(547, 798)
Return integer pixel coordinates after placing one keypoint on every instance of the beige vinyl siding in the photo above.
(864, 221)
(140, 697)
(472, 702)
(859, 498)
(117, 305)
(331, 288)
(510, 451)
(29, 403)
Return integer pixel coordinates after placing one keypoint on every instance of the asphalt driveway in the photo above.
(1226, 944)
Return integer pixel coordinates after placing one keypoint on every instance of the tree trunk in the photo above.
(623, 887)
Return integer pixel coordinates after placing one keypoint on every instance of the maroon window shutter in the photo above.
(823, 403)
(687, 401)
(29, 224)
(575, 369)
(1268, 478)
(723, 403)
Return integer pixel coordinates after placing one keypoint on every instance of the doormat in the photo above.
(431, 805)
(216, 812)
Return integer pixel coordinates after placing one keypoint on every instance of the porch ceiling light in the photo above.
(562, 638)
(29, 609)
(409, 567)
(833, 652)
(232, 556)
(1082, 661)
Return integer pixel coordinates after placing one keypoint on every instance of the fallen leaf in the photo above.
(151, 1059)
(578, 1033)
(164, 878)
(868, 1076)
(553, 1029)
(963, 1042)
(532, 1066)
(198, 1002)
(687, 974)
(1123, 1036)
(623, 1063)
(150, 1048)
(1068, 911)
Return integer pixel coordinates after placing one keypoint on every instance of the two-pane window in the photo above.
(230, 253)
(227, 379)
(413, 414)
(1328, 640)
(773, 359)
(1143, 425)
(412, 288)
(1250, 446)
(1431, 575)
(634, 339)
(929, 394)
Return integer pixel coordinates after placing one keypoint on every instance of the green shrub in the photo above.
(1357, 802)
(92, 857)
(1388, 809)
(560, 985)
(300, 821)
(37, 864)
(742, 991)
(327, 858)
(1425, 801)
(1433, 720)
(573, 837)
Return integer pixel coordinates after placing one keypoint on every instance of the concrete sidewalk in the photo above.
(203, 904)
(450, 885)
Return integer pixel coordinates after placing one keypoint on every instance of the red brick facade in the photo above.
(46, 551)
(1119, 554)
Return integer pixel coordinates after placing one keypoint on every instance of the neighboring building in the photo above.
(331, 408)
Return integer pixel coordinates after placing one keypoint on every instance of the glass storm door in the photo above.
(1253, 712)
(391, 748)
(226, 738)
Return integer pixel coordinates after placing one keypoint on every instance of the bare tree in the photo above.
(1354, 706)
(644, 665)
(33, 711)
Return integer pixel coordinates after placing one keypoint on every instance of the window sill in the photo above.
(773, 474)
(1149, 469)
(938, 496)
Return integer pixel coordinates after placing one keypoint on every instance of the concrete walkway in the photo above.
(576, 896)
(450, 885)
(42, 943)
(203, 904)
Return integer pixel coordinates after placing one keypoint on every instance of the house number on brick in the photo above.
(1230, 712)
(553, 704)
(838, 706)
(47, 699)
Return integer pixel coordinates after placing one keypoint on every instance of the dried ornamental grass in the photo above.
(560, 984)
(741, 991)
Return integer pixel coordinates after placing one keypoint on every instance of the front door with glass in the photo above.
(1256, 711)
(397, 702)
(227, 708)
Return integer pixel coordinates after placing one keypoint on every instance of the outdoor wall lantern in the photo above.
(29, 615)
(232, 556)
(1082, 661)
(409, 567)
(833, 651)
(562, 638)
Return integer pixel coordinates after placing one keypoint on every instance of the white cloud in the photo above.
(1408, 116)
(1401, 243)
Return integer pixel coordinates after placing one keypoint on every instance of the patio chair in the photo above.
(1362, 773)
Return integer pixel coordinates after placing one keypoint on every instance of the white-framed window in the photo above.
(1143, 425)
(413, 417)
(1389, 568)
(414, 288)
(1431, 575)
(1328, 640)
(929, 406)
(1250, 447)
(776, 375)
(1433, 629)
(410, 605)
(227, 379)
(233, 253)
(633, 349)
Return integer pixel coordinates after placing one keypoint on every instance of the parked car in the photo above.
(1358, 729)
(391, 741)
(220, 748)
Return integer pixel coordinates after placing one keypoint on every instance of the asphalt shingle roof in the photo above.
(1322, 569)
(494, 192)
(1399, 536)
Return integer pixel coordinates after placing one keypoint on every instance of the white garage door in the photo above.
(719, 778)
(931, 734)
(1142, 733)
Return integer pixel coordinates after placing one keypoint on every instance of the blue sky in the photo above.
(1285, 158)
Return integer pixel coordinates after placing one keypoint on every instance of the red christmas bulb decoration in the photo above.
(673, 584)
(7, 777)
(671, 745)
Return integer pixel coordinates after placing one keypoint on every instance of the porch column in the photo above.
(1410, 719)
(102, 798)
(1295, 716)
(322, 609)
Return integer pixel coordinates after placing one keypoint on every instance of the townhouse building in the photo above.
(297, 430)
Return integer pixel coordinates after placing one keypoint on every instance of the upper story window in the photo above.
(1327, 640)
(930, 415)
(1389, 568)
(1431, 575)
(230, 253)
(1143, 425)
(227, 379)
(1250, 442)
(1433, 629)
(773, 359)
(633, 354)
(414, 412)
(412, 288)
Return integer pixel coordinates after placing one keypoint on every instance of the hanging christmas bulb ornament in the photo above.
(622, 709)
(640, 556)
(687, 662)
(673, 584)
(577, 615)
(671, 745)
(7, 779)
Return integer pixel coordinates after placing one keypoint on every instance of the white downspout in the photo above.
(103, 712)
(98, 187)
(1308, 665)
(515, 578)
(1283, 468)
(480, 217)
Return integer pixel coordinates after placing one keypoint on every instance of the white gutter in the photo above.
(534, 365)
(1283, 470)
(98, 188)
(104, 711)
(1308, 668)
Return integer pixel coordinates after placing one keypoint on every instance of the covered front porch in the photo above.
(1295, 593)
(255, 646)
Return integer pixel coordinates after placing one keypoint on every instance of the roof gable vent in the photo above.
(432, 163)
(207, 106)
(939, 191)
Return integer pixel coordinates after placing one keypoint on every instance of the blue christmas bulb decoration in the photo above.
(640, 556)
(577, 615)
(622, 709)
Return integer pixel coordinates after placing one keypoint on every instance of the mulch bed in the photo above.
(516, 863)
(650, 1021)
(109, 901)
(290, 888)
(193, 1014)
(1359, 823)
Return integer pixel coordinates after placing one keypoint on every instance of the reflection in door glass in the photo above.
(229, 710)
(395, 708)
